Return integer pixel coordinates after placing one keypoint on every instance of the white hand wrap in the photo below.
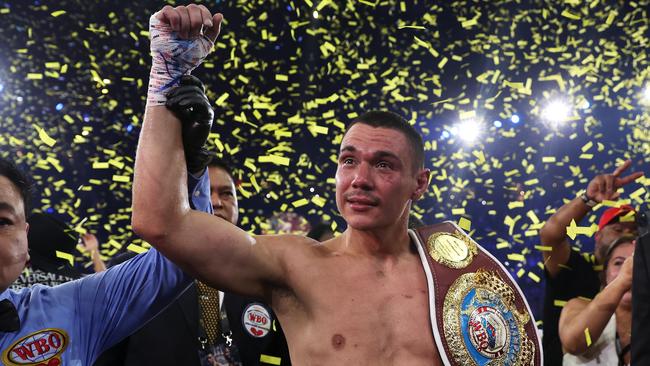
(172, 57)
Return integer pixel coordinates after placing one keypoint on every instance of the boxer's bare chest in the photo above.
(360, 311)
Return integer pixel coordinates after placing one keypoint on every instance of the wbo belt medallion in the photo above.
(482, 323)
(451, 249)
(478, 313)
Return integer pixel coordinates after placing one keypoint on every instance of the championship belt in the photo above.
(479, 315)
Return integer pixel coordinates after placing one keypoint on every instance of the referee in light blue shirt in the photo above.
(71, 324)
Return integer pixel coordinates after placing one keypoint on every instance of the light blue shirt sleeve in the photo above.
(113, 304)
(199, 190)
(76, 321)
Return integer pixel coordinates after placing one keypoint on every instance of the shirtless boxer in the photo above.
(357, 299)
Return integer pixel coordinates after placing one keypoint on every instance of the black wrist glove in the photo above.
(189, 103)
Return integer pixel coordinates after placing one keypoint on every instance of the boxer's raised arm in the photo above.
(204, 245)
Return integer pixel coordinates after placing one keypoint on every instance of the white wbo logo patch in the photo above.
(257, 320)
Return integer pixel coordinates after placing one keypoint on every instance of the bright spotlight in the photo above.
(646, 94)
(469, 130)
(556, 112)
(315, 14)
(514, 118)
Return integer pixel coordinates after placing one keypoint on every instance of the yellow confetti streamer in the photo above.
(465, 224)
(44, 136)
(516, 257)
(559, 303)
(278, 160)
(534, 277)
(65, 256)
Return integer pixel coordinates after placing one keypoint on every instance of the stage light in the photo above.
(59, 106)
(645, 96)
(514, 119)
(468, 130)
(315, 14)
(498, 124)
(556, 112)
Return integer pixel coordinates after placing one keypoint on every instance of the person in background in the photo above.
(598, 331)
(91, 244)
(569, 274)
(257, 335)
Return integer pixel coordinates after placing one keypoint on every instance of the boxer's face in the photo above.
(223, 195)
(375, 179)
(13, 233)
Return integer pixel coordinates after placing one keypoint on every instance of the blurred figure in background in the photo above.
(569, 274)
(91, 245)
(598, 331)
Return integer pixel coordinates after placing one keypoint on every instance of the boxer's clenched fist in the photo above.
(181, 38)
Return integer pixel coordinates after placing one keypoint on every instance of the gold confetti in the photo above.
(534, 277)
(136, 248)
(464, 224)
(65, 256)
(44, 136)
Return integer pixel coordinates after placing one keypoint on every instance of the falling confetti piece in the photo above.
(66, 256)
